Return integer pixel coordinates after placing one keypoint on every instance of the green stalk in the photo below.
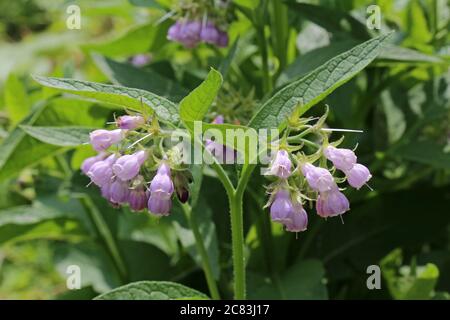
(207, 269)
(237, 242)
(281, 30)
(105, 235)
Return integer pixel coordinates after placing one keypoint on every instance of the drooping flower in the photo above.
(209, 33)
(130, 122)
(281, 208)
(103, 139)
(89, 162)
(343, 159)
(319, 179)
(161, 190)
(118, 191)
(127, 167)
(140, 60)
(181, 184)
(358, 175)
(138, 199)
(185, 32)
(298, 221)
(223, 154)
(332, 203)
(281, 165)
(101, 172)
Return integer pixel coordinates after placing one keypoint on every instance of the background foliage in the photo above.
(49, 219)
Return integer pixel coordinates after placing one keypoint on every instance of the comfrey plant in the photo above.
(131, 170)
(137, 167)
(298, 179)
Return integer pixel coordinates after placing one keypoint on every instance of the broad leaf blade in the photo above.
(127, 75)
(196, 104)
(59, 136)
(318, 84)
(115, 95)
(152, 290)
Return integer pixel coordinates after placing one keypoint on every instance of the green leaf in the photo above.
(316, 85)
(59, 136)
(395, 54)
(16, 99)
(20, 150)
(152, 290)
(425, 152)
(115, 95)
(226, 62)
(250, 4)
(138, 39)
(127, 75)
(332, 20)
(408, 282)
(195, 106)
(302, 281)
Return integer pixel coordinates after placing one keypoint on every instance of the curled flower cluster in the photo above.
(122, 175)
(309, 182)
(191, 32)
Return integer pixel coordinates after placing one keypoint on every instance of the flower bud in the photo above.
(140, 60)
(101, 172)
(332, 203)
(103, 139)
(281, 208)
(138, 199)
(181, 187)
(298, 219)
(130, 122)
(118, 191)
(161, 190)
(209, 33)
(281, 165)
(319, 179)
(343, 159)
(89, 162)
(127, 167)
(358, 176)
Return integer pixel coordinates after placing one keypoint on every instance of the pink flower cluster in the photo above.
(330, 201)
(121, 177)
(191, 32)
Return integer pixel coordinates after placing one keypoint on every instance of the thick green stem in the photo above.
(207, 269)
(237, 243)
(106, 235)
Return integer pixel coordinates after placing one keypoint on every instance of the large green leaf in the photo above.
(130, 98)
(425, 152)
(316, 85)
(332, 20)
(138, 39)
(127, 75)
(20, 150)
(152, 290)
(195, 106)
(59, 136)
(304, 280)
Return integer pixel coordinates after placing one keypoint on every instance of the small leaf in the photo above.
(59, 136)
(196, 104)
(318, 84)
(152, 290)
(116, 95)
(16, 101)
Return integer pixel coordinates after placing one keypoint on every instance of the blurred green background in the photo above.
(48, 217)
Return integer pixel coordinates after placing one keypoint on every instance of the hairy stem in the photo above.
(207, 269)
